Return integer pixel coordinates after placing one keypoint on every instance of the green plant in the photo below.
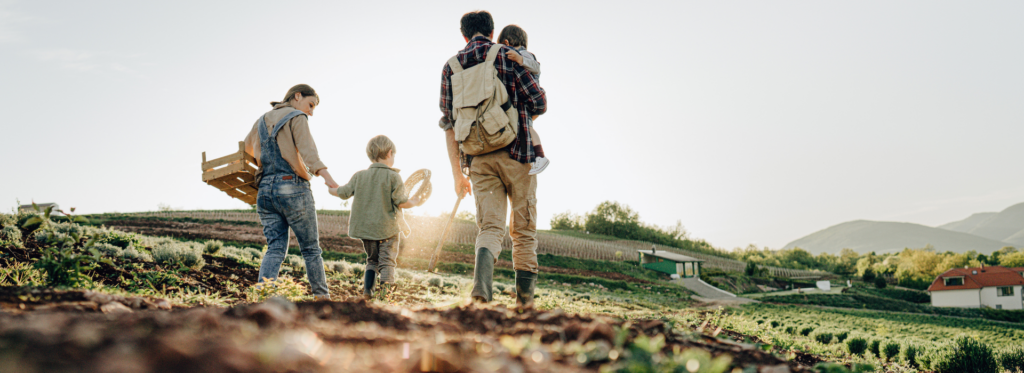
(120, 239)
(822, 336)
(839, 368)
(856, 345)
(283, 286)
(868, 276)
(64, 267)
(880, 282)
(20, 274)
(10, 235)
(178, 254)
(841, 335)
(964, 355)
(890, 350)
(790, 330)
(874, 346)
(1012, 359)
(806, 331)
(775, 324)
(212, 246)
(909, 353)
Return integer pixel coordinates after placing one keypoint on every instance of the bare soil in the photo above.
(350, 336)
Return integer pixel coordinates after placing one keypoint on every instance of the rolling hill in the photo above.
(864, 236)
(1006, 225)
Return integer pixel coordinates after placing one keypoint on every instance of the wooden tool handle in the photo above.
(444, 235)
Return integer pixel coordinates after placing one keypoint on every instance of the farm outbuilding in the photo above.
(671, 263)
(42, 206)
(989, 287)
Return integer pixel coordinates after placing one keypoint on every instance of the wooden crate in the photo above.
(234, 174)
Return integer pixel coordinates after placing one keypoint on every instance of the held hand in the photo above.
(462, 186)
(514, 56)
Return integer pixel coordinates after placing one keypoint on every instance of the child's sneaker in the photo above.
(539, 165)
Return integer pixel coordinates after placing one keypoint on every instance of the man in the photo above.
(502, 174)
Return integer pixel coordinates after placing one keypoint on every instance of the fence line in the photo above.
(426, 230)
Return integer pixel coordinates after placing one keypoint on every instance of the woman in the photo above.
(287, 158)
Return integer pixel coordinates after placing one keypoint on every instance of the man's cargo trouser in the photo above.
(497, 178)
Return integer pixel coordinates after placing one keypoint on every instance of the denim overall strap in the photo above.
(270, 154)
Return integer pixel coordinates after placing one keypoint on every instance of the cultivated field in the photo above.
(168, 294)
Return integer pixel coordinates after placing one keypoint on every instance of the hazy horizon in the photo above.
(749, 122)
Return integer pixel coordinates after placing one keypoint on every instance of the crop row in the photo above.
(426, 230)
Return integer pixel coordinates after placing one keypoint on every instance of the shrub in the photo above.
(212, 246)
(874, 345)
(10, 234)
(70, 229)
(120, 239)
(295, 261)
(51, 238)
(823, 337)
(890, 350)
(880, 282)
(856, 345)
(1012, 359)
(177, 254)
(839, 368)
(108, 250)
(924, 359)
(964, 355)
(435, 282)
(775, 324)
(841, 335)
(908, 355)
(806, 331)
(132, 253)
(869, 276)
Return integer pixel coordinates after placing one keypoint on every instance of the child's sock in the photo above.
(539, 150)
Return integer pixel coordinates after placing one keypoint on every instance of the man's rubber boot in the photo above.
(368, 280)
(483, 276)
(526, 283)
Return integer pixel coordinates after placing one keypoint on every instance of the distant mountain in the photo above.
(1006, 225)
(864, 236)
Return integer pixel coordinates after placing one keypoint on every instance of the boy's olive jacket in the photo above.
(378, 191)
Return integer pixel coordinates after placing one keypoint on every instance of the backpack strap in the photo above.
(493, 52)
(455, 64)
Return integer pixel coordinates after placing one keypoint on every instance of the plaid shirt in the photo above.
(527, 96)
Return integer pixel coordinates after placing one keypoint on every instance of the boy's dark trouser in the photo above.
(381, 257)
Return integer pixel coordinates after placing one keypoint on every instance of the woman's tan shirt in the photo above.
(294, 139)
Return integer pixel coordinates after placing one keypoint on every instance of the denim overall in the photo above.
(284, 201)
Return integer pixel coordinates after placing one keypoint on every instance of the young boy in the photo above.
(515, 37)
(379, 194)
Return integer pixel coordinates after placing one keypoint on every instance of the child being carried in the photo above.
(379, 195)
(515, 37)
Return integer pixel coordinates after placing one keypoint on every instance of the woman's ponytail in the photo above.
(303, 89)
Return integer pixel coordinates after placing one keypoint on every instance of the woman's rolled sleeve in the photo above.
(306, 146)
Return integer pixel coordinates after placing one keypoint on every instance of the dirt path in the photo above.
(252, 234)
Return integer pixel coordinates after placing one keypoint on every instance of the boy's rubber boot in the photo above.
(368, 280)
(526, 283)
(483, 276)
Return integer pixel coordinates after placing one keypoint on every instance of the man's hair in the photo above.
(515, 35)
(378, 147)
(477, 22)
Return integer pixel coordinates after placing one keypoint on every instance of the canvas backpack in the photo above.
(485, 119)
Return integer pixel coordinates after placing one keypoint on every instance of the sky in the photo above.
(750, 122)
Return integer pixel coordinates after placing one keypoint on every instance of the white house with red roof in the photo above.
(991, 287)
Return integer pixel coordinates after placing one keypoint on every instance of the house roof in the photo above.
(977, 278)
(672, 256)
